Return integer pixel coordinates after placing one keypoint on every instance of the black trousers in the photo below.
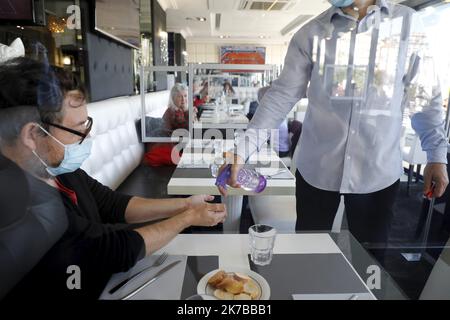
(369, 215)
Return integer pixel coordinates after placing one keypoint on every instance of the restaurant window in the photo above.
(437, 23)
(62, 46)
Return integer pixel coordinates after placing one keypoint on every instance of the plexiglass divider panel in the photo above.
(165, 114)
(222, 94)
(216, 96)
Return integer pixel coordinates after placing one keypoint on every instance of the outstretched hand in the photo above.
(435, 173)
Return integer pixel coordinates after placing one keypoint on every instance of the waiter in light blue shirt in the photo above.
(365, 67)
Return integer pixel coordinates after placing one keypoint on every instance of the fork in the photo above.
(158, 262)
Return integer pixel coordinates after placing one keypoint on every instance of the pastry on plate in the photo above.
(217, 278)
(223, 295)
(234, 286)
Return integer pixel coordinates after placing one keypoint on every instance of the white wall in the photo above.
(209, 52)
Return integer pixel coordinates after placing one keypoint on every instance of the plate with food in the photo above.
(236, 284)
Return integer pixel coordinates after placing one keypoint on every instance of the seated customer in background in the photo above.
(228, 89)
(294, 128)
(51, 145)
(282, 147)
(177, 113)
(203, 96)
(175, 117)
(229, 93)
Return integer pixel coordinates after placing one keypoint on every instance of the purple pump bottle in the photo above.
(249, 180)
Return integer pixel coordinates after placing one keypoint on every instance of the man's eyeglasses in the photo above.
(83, 135)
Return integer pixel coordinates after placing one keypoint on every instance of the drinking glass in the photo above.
(262, 240)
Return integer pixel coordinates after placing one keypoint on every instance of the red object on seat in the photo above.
(160, 155)
(199, 102)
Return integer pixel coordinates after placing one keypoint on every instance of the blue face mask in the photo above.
(341, 3)
(74, 156)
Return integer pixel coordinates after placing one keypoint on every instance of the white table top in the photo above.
(233, 249)
(209, 121)
(212, 118)
(232, 106)
(197, 179)
(223, 118)
(205, 125)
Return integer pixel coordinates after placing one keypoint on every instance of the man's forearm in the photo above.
(160, 234)
(142, 210)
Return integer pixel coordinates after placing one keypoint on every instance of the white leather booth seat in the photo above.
(156, 103)
(117, 149)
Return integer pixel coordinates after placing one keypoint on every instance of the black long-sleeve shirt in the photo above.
(92, 242)
(27, 230)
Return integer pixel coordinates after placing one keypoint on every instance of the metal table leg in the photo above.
(414, 257)
(419, 168)
(234, 209)
(410, 175)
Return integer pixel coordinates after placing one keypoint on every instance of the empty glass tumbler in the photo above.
(262, 240)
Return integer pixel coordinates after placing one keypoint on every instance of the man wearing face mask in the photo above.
(50, 143)
(361, 64)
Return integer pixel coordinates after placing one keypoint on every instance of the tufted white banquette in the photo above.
(117, 149)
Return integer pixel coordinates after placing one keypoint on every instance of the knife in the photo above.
(128, 280)
(153, 279)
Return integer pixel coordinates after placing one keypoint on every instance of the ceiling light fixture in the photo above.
(201, 19)
(273, 5)
(67, 61)
(56, 24)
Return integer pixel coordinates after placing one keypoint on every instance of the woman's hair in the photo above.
(227, 84)
(177, 89)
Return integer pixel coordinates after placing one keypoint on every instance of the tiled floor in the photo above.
(412, 276)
